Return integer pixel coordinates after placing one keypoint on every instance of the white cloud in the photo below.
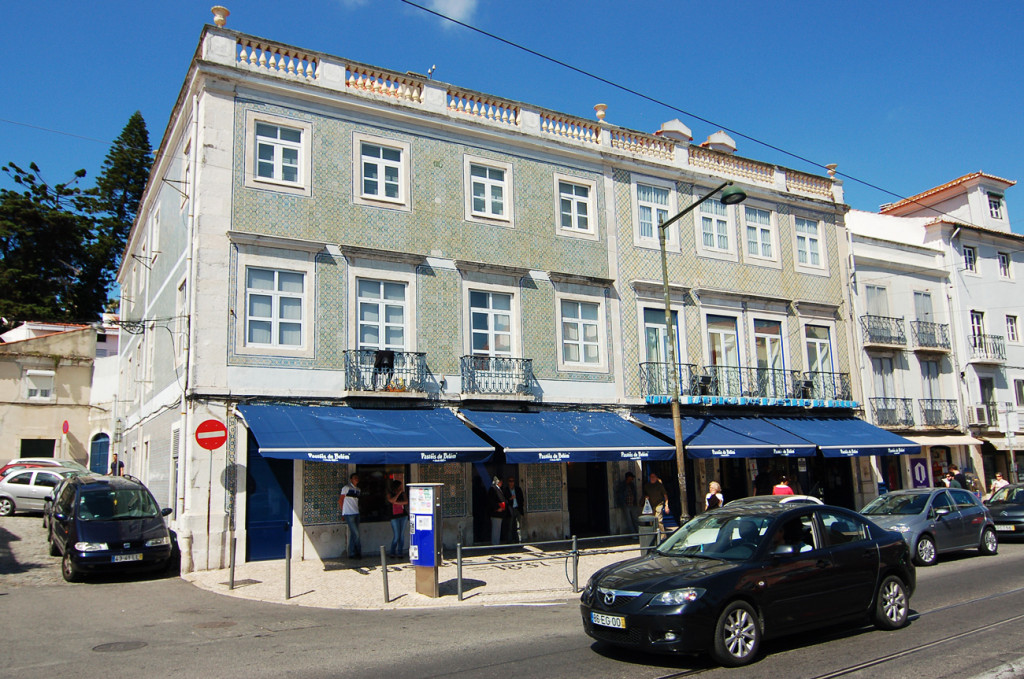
(460, 10)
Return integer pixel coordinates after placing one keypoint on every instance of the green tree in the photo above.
(48, 246)
(120, 185)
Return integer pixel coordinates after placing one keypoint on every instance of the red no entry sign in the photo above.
(211, 434)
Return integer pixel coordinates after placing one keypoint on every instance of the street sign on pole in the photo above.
(211, 434)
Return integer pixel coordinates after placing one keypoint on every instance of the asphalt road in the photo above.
(968, 619)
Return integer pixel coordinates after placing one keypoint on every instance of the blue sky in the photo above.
(902, 95)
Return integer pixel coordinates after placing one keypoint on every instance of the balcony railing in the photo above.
(937, 412)
(883, 330)
(892, 412)
(822, 385)
(929, 335)
(656, 379)
(496, 375)
(373, 370)
(988, 348)
(722, 380)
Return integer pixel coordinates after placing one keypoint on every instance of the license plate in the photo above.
(1006, 527)
(615, 621)
(118, 558)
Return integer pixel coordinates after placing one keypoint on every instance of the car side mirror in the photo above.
(166, 511)
(48, 498)
(783, 550)
(60, 516)
(942, 511)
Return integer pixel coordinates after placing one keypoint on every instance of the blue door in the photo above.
(98, 450)
(268, 508)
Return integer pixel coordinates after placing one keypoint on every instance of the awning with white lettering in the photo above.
(724, 437)
(363, 435)
(846, 436)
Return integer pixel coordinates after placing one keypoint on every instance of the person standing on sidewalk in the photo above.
(116, 466)
(399, 517)
(516, 505)
(349, 503)
(629, 501)
(654, 492)
(497, 507)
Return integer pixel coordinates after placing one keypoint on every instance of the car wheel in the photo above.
(989, 542)
(891, 604)
(68, 568)
(737, 635)
(6, 506)
(924, 551)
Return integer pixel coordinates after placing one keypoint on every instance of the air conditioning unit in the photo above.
(977, 415)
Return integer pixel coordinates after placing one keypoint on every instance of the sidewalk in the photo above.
(505, 578)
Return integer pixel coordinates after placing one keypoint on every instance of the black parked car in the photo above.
(1007, 509)
(107, 523)
(735, 575)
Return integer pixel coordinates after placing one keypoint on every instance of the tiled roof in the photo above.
(938, 189)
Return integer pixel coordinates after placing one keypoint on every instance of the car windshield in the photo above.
(897, 504)
(114, 505)
(1009, 494)
(721, 536)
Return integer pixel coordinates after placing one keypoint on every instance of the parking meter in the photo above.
(425, 535)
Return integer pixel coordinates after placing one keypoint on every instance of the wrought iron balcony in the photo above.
(496, 375)
(765, 382)
(384, 370)
(937, 412)
(892, 412)
(883, 330)
(656, 379)
(721, 380)
(822, 385)
(929, 335)
(988, 348)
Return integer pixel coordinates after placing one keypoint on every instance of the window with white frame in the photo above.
(656, 335)
(382, 314)
(1018, 387)
(768, 344)
(581, 333)
(995, 206)
(280, 157)
(808, 242)
(759, 232)
(1011, 329)
(382, 171)
(576, 211)
(977, 323)
(970, 259)
(714, 225)
(490, 323)
(652, 209)
(39, 385)
(819, 348)
(488, 190)
(1004, 265)
(275, 304)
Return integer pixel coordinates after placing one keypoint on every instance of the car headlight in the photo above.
(677, 597)
(157, 542)
(90, 546)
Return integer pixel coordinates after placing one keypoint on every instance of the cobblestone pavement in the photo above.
(24, 555)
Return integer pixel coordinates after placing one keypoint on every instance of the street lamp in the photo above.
(731, 195)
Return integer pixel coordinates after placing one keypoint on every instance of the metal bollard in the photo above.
(458, 568)
(287, 572)
(384, 571)
(575, 566)
(231, 573)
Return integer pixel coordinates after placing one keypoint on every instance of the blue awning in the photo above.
(568, 436)
(363, 435)
(722, 437)
(846, 436)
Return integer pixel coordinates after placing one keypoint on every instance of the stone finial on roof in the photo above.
(720, 141)
(675, 129)
(220, 15)
(601, 110)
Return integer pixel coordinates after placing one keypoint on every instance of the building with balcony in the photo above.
(943, 264)
(362, 271)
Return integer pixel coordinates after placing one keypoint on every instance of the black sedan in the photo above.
(735, 575)
(1007, 509)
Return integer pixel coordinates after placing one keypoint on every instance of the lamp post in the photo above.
(731, 195)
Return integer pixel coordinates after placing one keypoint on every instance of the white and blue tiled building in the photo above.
(358, 270)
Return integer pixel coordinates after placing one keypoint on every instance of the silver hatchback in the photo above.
(25, 490)
(935, 520)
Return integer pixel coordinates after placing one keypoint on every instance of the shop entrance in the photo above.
(268, 506)
(587, 485)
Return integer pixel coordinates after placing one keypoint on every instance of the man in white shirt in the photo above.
(349, 502)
